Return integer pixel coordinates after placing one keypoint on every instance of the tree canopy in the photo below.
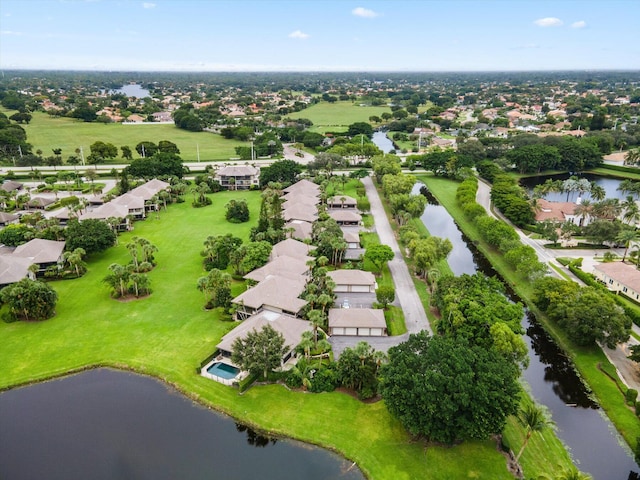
(447, 390)
(259, 352)
(30, 299)
(91, 235)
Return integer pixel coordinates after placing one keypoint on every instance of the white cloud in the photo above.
(549, 22)
(579, 24)
(10, 32)
(148, 5)
(299, 35)
(364, 12)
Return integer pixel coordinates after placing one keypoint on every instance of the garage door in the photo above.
(364, 332)
(337, 331)
(351, 331)
(360, 288)
(376, 332)
(341, 288)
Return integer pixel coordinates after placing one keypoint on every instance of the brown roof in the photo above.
(283, 265)
(291, 248)
(10, 185)
(343, 215)
(147, 190)
(352, 277)
(350, 236)
(8, 217)
(105, 211)
(40, 250)
(290, 327)
(129, 200)
(356, 317)
(304, 186)
(300, 212)
(622, 273)
(275, 291)
(337, 200)
(554, 210)
(297, 197)
(40, 202)
(301, 229)
(237, 171)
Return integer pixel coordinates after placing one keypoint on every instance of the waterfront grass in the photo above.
(45, 133)
(168, 334)
(337, 116)
(590, 362)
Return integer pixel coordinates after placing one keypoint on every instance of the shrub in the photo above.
(630, 395)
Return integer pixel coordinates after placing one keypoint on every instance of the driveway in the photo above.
(290, 154)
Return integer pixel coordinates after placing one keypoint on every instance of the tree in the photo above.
(462, 391)
(217, 250)
(358, 368)
(157, 166)
(16, 234)
(30, 299)
(103, 150)
(74, 260)
(217, 288)
(256, 255)
(281, 171)
(259, 352)
(533, 418)
(118, 279)
(625, 237)
(383, 165)
(146, 149)
(127, 154)
(165, 146)
(237, 211)
(360, 128)
(91, 235)
(385, 294)
(379, 255)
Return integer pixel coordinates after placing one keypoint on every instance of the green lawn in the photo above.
(45, 133)
(337, 116)
(168, 334)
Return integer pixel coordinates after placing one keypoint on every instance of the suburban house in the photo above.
(357, 321)
(238, 177)
(346, 217)
(292, 248)
(11, 186)
(275, 293)
(352, 238)
(13, 269)
(147, 191)
(295, 197)
(107, 211)
(284, 265)
(559, 211)
(619, 277)
(342, 201)
(300, 212)
(40, 203)
(45, 253)
(290, 327)
(304, 187)
(301, 230)
(8, 218)
(353, 281)
(134, 204)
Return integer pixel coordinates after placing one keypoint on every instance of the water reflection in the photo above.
(254, 438)
(610, 186)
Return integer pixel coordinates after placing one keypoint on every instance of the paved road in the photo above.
(628, 371)
(406, 295)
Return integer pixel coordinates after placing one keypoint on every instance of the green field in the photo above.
(336, 117)
(45, 133)
(169, 333)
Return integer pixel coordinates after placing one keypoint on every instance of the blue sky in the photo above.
(310, 35)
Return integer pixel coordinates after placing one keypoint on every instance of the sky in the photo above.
(313, 35)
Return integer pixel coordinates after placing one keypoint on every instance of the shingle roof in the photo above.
(40, 202)
(283, 265)
(40, 250)
(129, 200)
(13, 269)
(337, 200)
(301, 229)
(291, 248)
(554, 210)
(237, 171)
(8, 217)
(290, 327)
(105, 211)
(10, 186)
(303, 186)
(343, 215)
(147, 190)
(356, 317)
(275, 291)
(352, 277)
(307, 213)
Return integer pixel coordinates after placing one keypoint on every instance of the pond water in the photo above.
(610, 186)
(382, 141)
(133, 90)
(107, 424)
(589, 435)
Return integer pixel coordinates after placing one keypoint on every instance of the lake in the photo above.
(609, 184)
(133, 90)
(108, 424)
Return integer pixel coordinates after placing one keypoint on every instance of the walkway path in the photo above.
(628, 370)
(414, 315)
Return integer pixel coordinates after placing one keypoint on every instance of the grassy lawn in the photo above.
(590, 361)
(45, 133)
(168, 334)
(337, 116)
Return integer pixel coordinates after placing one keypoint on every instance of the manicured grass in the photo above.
(337, 116)
(45, 133)
(168, 334)
(590, 361)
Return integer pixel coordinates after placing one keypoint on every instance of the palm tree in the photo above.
(306, 343)
(584, 210)
(632, 157)
(598, 193)
(74, 259)
(631, 213)
(117, 279)
(625, 237)
(608, 209)
(533, 418)
(317, 320)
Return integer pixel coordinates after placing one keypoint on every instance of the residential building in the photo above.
(619, 277)
(238, 177)
(45, 253)
(353, 281)
(357, 322)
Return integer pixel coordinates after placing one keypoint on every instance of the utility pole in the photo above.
(198, 152)
(82, 155)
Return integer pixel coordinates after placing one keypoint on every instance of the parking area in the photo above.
(355, 300)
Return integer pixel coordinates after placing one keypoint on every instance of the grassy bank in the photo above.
(168, 334)
(337, 116)
(590, 362)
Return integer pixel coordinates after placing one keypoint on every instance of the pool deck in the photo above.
(216, 378)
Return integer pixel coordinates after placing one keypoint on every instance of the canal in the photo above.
(553, 381)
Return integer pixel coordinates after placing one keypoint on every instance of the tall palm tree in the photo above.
(608, 209)
(533, 418)
(625, 237)
(317, 320)
(598, 193)
(631, 213)
(632, 157)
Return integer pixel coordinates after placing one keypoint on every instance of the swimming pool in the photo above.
(223, 370)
